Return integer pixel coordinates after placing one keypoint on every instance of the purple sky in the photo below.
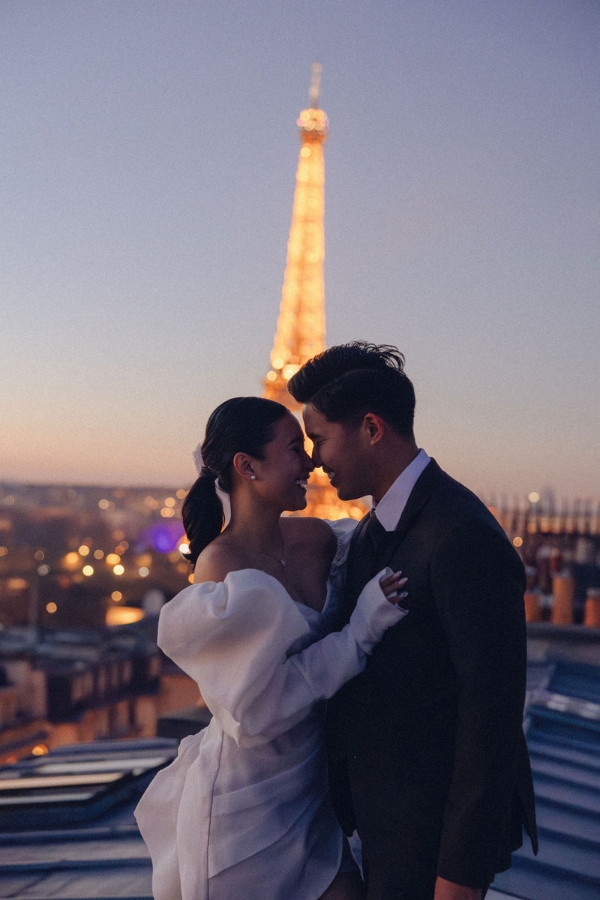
(148, 159)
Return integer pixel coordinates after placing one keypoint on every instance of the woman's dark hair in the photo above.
(240, 425)
(348, 381)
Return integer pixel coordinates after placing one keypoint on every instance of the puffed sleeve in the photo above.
(232, 638)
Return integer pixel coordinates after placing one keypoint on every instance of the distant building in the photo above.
(74, 685)
(560, 546)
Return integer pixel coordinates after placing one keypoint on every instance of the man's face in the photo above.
(342, 451)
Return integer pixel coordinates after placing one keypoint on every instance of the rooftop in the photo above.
(67, 829)
(66, 821)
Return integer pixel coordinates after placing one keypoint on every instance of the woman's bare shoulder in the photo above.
(217, 560)
(307, 530)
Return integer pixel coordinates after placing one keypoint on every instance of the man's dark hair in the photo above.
(348, 381)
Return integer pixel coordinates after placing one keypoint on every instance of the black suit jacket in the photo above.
(429, 739)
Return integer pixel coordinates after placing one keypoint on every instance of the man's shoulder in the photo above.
(447, 492)
(454, 527)
(456, 506)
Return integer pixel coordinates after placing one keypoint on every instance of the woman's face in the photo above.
(282, 475)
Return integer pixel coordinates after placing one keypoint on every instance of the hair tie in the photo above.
(205, 471)
(198, 461)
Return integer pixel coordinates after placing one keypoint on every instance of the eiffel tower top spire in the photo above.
(301, 324)
(315, 85)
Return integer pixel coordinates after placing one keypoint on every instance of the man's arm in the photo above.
(478, 585)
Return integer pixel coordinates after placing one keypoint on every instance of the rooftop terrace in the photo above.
(67, 830)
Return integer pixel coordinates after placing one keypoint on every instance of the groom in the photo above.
(428, 759)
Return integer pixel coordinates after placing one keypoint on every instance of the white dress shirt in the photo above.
(391, 506)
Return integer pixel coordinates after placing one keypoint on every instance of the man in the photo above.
(428, 759)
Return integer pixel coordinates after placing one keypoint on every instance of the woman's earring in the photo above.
(253, 477)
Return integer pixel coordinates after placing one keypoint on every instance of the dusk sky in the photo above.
(149, 150)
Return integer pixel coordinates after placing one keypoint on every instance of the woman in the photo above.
(243, 809)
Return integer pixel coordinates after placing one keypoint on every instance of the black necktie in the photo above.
(375, 530)
(382, 542)
(369, 553)
(377, 543)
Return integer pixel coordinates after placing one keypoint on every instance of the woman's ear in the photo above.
(242, 464)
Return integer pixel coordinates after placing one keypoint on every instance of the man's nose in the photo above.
(310, 462)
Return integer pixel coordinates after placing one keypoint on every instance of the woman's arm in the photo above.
(320, 670)
(232, 639)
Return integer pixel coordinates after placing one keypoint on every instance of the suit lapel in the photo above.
(359, 569)
(426, 484)
(358, 572)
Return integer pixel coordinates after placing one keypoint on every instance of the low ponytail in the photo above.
(202, 515)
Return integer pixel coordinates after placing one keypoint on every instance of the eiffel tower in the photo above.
(301, 325)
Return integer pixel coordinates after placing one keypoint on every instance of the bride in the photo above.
(243, 810)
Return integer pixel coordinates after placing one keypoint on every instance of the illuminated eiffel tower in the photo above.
(301, 324)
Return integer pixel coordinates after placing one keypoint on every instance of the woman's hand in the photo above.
(391, 588)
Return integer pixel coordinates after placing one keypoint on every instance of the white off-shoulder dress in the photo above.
(243, 810)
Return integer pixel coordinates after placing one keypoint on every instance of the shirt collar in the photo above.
(391, 506)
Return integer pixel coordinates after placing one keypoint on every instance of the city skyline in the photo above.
(151, 153)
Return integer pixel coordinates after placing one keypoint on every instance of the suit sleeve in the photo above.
(478, 584)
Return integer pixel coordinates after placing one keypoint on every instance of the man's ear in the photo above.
(373, 427)
(242, 464)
